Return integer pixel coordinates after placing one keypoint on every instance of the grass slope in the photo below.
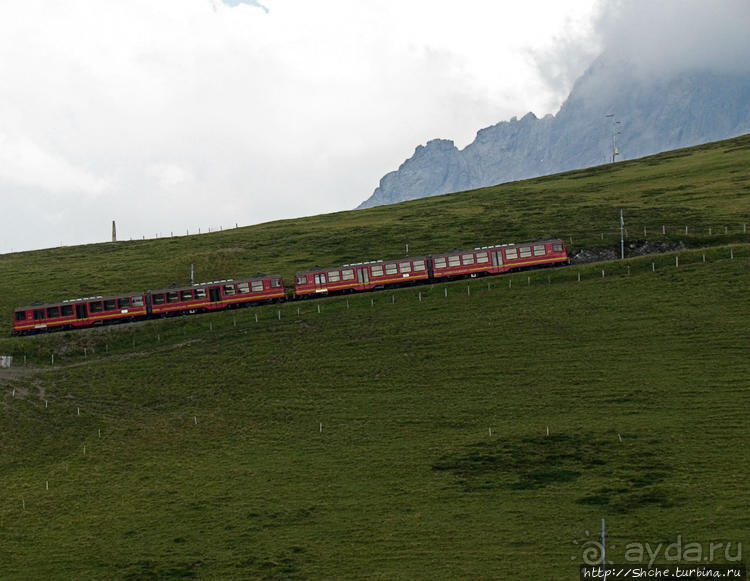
(387, 436)
(355, 442)
(703, 188)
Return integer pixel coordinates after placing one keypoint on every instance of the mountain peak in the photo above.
(643, 113)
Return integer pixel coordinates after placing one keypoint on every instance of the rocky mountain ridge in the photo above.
(612, 108)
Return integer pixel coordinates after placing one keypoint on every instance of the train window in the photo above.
(158, 299)
(173, 297)
(334, 276)
(186, 295)
(511, 253)
(482, 257)
(440, 262)
(39, 315)
(539, 250)
(257, 286)
(419, 265)
(53, 312)
(454, 260)
(67, 310)
(123, 302)
(347, 274)
(468, 259)
(524, 251)
(229, 290)
(243, 287)
(390, 268)
(275, 282)
(557, 247)
(20, 315)
(302, 279)
(200, 293)
(377, 270)
(405, 267)
(110, 305)
(320, 279)
(95, 307)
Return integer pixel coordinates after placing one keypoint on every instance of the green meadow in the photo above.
(479, 429)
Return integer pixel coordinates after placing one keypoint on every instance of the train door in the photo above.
(497, 259)
(214, 294)
(320, 282)
(81, 311)
(363, 276)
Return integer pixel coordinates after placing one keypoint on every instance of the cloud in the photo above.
(25, 163)
(295, 110)
(247, 2)
(651, 38)
(171, 175)
(677, 35)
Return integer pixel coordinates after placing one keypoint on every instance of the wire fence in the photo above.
(690, 234)
(81, 346)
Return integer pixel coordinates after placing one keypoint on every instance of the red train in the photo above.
(86, 312)
(459, 263)
(212, 296)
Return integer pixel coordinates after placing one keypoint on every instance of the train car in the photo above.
(78, 313)
(213, 296)
(498, 259)
(360, 277)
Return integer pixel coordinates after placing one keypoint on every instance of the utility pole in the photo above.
(114, 232)
(622, 236)
(615, 123)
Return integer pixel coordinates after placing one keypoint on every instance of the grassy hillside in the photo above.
(384, 436)
(702, 188)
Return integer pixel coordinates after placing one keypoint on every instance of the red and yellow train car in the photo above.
(214, 296)
(498, 259)
(76, 313)
(360, 277)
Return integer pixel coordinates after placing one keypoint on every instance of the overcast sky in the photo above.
(174, 115)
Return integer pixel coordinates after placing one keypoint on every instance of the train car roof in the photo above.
(214, 283)
(357, 264)
(495, 246)
(78, 301)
